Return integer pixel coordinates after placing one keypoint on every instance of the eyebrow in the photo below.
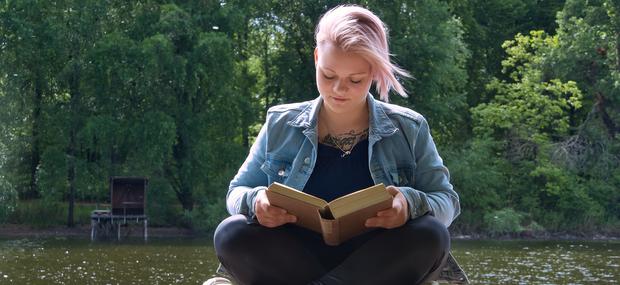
(357, 73)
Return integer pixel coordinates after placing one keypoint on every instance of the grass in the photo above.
(43, 214)
(39, 213)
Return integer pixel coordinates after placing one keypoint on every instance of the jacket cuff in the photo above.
(417, 205)
(250, 199)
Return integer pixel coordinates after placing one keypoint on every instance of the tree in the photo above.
(428, 41)
(565, 151)
(29, 61)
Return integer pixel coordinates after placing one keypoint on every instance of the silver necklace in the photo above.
(334, 140)
(344, 152)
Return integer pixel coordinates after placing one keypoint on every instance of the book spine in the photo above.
(331, 231)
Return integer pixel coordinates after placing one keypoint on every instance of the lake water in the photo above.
(191, 261)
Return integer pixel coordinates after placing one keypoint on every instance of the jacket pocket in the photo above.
(277, 170)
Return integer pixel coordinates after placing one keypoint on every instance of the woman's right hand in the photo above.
(270, 216)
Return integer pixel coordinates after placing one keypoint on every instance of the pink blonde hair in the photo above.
(356, 29)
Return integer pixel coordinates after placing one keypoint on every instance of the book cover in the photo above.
(338, 220)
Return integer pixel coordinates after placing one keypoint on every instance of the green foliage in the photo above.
(559, 153)
(428, 41)
(503, 222)
(479, 178)
(41, 213)
(162, 206)
(8, 195)
(528, 107)
(177, 92)
(566, 196)
(8, 199)
(211, 212)
(510, 222)
(52, 176)
(487, 24)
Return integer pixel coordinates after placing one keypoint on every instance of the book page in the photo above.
(297, 195)
(359, 200)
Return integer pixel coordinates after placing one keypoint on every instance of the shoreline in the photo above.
(21, 231)
(8, 231)
(546, 237)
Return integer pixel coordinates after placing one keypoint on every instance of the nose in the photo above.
(340, 87)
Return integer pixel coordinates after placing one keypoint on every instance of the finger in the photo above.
(388, 212)
(383, 222)
(278, 219)
(276, 211)
(288, 218)
(397, 204)
(270, 224)
(376, 222)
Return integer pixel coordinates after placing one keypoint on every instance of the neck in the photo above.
(339, 123)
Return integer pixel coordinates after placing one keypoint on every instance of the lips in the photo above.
(340, 99)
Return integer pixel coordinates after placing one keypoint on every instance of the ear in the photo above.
(316, 55)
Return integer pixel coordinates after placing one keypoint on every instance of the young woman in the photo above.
(342, 141)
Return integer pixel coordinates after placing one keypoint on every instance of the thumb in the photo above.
(392, 190)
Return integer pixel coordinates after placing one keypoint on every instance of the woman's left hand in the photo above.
(393, 217)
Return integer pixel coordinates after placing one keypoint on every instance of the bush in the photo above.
(44, 214)
(163, 207)
(567, 199)
(206, 217)
(503, 222)
(477, 175)
(8, 200)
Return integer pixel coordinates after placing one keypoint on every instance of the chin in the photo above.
(343, 106)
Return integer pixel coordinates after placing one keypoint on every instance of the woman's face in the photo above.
(343, 78)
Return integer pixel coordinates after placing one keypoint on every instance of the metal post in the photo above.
(118, 225)
(146, 232)
(92, 229)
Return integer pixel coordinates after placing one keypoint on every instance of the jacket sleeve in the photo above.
(250, 179)
(432, 191)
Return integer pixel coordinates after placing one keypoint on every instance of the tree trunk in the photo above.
(35, 156)
(182, 187)
(266, 70)
(618, 50)
(72, 149)
(185, 197)
(71, 178)
(601, 104)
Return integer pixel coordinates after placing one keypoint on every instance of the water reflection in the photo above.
(73, 261)
(191, 261)
(540, 262)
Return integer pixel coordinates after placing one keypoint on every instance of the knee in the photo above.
(430, 231)
(231, 235)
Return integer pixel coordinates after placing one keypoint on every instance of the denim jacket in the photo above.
(401, 152)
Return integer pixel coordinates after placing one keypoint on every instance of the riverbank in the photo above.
(17, 231)
(545, 236)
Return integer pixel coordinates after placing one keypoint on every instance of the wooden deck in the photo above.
(103, 222)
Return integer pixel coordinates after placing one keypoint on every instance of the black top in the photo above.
(334, 176)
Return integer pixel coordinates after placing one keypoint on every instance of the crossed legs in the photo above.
(254, 254)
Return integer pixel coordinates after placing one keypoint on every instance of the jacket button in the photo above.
(307, 160)
(281, 172)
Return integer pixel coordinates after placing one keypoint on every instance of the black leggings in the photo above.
(288, 254)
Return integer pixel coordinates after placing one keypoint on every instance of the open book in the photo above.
(338, 220)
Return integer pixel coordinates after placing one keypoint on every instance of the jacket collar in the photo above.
(380, 124)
